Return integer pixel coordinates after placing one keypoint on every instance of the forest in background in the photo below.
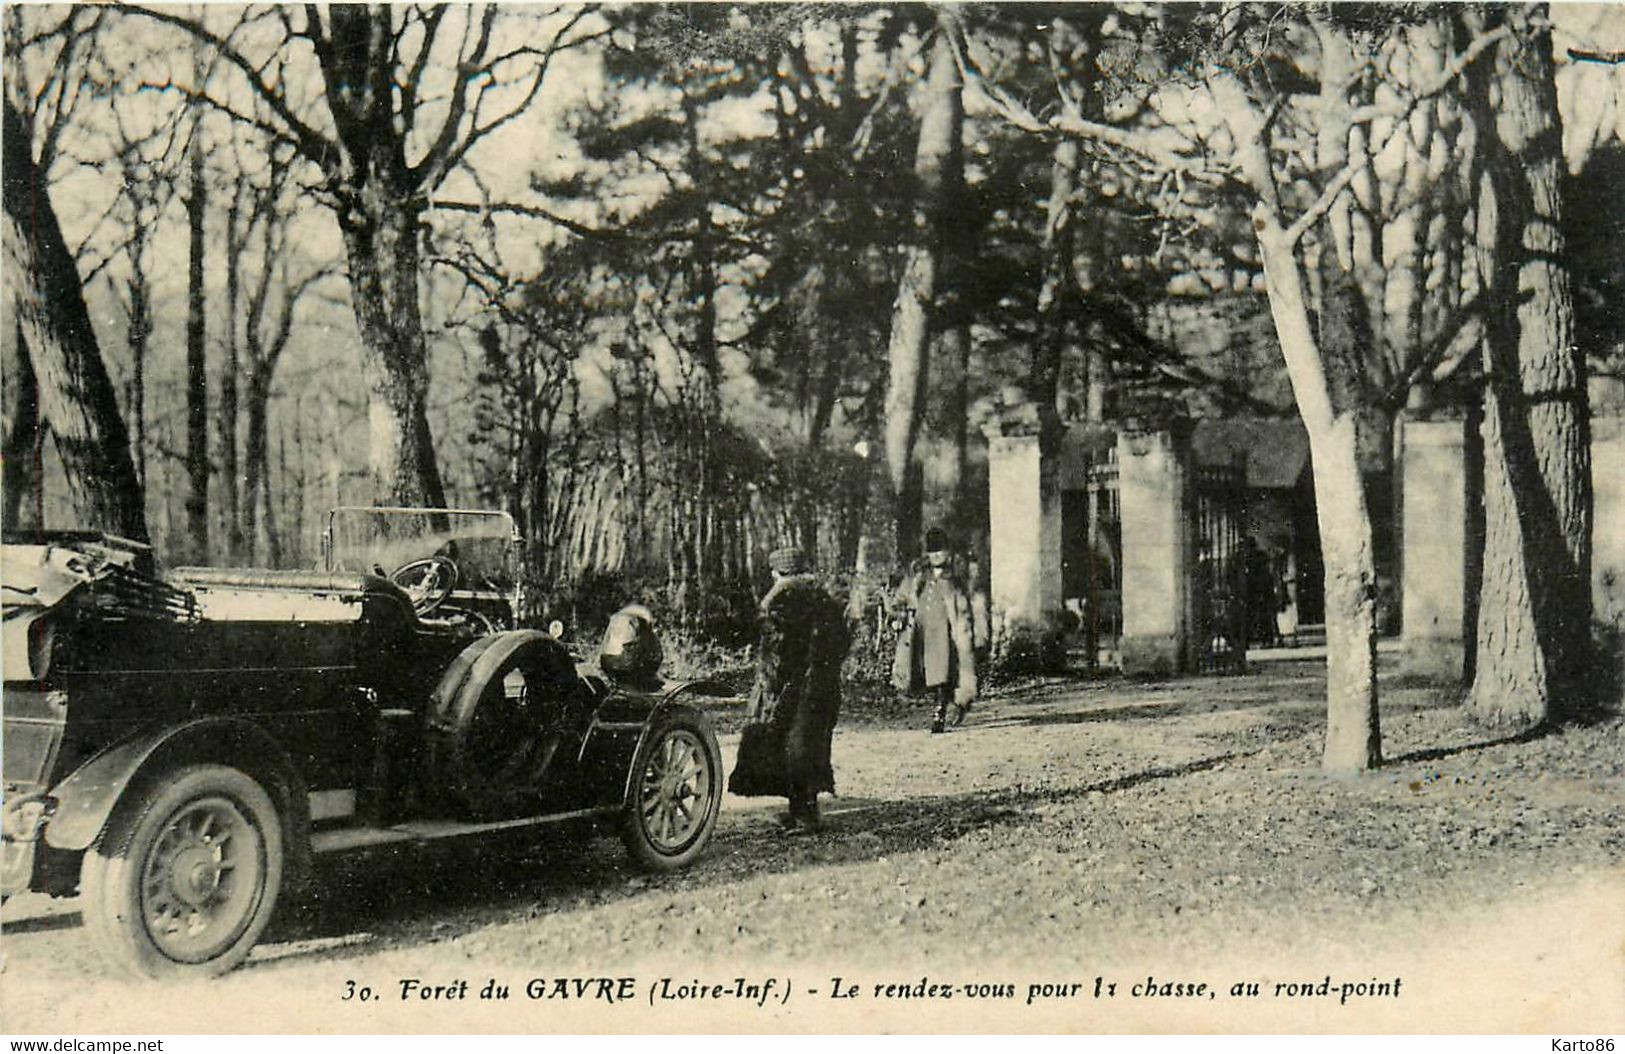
(678, 284)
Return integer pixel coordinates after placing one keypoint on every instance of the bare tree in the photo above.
(379, 170)
(230, 404)
(57, 42)
(266, 333)
(197, 369)
(75, 393)
(1352, 738)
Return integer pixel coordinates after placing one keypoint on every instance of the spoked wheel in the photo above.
(186, 877)
(675, 793)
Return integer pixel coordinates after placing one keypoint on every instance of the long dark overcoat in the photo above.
(784, 750)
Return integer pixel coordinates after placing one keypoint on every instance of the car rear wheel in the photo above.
(675, 792)
(186, 875)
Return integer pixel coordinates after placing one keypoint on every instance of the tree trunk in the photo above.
(1535, 605)
(255, 458)
(956, 349)
(937, 158)
(197, 369)
(139, 335)
(76, 395)
(1353, 736)
(25, 446)
(381, 246)
(1059, 284)
(231, 484)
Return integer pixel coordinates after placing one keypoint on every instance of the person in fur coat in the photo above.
(784, 750)
(935, 648)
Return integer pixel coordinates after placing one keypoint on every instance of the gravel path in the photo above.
(1177, 832)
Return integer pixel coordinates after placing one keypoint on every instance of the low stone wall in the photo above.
(1608, 544)
(1434, 559)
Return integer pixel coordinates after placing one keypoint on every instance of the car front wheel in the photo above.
(186, 875)
(676, 790)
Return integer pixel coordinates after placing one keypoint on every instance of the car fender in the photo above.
(463, 781)
(85, 800)
(474, 664)
(626, 712)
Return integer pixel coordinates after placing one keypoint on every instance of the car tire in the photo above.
(494, 722)
(186, 875)
(674, 792)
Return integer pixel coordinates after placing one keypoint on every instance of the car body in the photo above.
(177, 747)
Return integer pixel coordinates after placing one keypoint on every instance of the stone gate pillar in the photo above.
(1154, 496)
(1433, 564)
(1024, 537)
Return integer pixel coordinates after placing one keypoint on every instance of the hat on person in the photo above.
(787, 560)
(936, 540)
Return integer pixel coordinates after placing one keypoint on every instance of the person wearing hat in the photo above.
(785, 749)
(935, 649)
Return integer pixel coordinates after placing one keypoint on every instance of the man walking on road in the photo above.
(784, 750)
(935, 649)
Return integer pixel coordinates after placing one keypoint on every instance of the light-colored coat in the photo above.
(916, 647)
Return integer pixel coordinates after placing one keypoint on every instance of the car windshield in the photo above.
(383, 540)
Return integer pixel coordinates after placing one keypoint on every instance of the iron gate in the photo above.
(1091, 569)
(1218, 584)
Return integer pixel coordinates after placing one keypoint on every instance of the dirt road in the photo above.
(1175, 834)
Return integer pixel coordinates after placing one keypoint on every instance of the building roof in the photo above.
(1276, 450)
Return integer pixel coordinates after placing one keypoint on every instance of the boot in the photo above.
(804, 812)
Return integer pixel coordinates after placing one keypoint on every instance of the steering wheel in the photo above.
(428, 582)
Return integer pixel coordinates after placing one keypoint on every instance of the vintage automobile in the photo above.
(178, 746)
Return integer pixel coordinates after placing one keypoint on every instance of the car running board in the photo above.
(344, 838)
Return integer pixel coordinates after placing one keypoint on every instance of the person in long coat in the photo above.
(785, 749)
(936, 648)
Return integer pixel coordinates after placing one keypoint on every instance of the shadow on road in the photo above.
(1155, 711)
(433, 893)
(1440, 753)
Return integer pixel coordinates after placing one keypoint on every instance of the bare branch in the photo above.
(437, 162)
(290, 301)
(445, 140)
(193, 95)
(1612, 58)
(315, 146)
(531, 211)
(1401, 117)
(62, 72)
(414, 76)
(1441, 80)
(1441, 356)
(1069, 122)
